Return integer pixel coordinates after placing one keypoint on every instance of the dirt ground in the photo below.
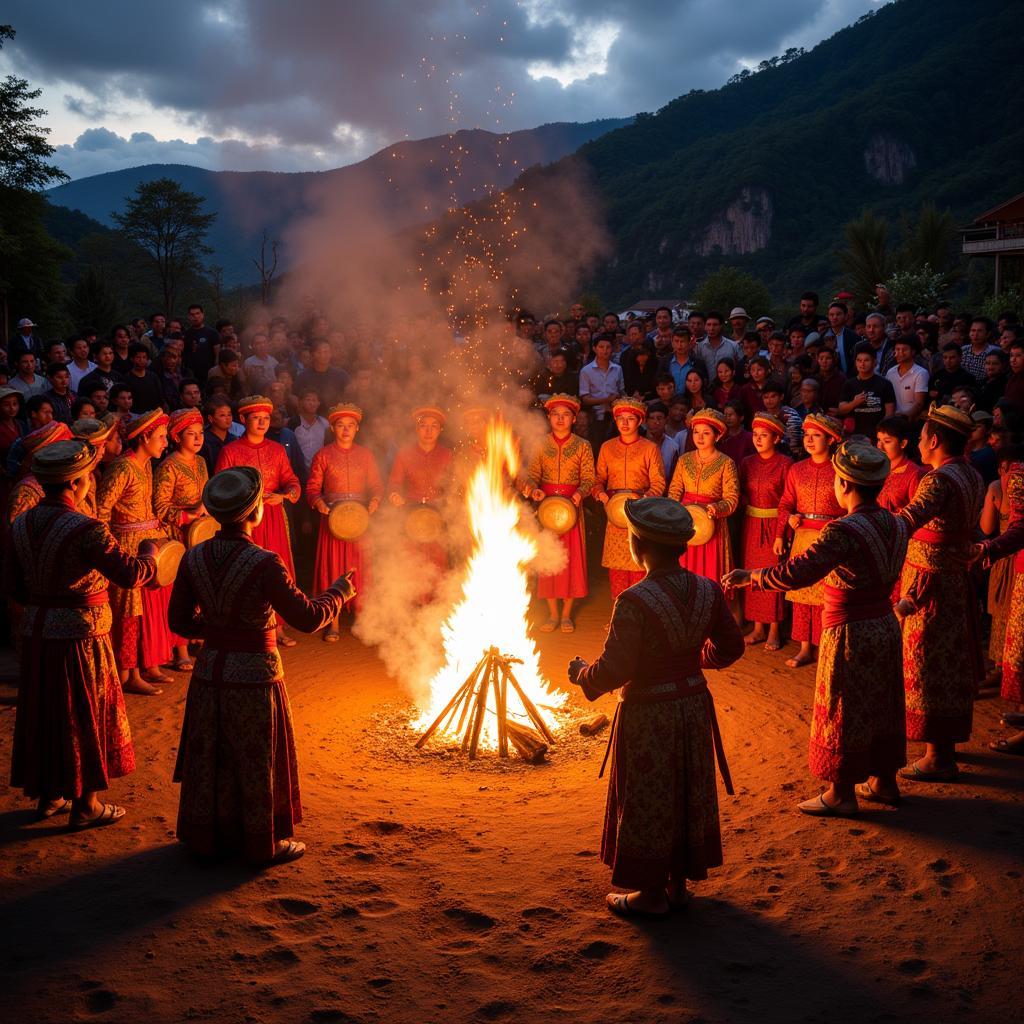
(437, 892)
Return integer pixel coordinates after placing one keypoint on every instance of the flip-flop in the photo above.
(1004, 746)
(548, 626)
(772, 648)
(110, 815)
(819, 809)
(618, 904)
(286, 641)
(568, 626)
(293, 851)
(53, 809)
(184, 665)
(330, 638)
(865, 792)
(916, 774)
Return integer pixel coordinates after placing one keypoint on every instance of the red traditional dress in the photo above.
(762, 482)
(857, 728)
(810, 493)
(271, 459)
(565, 467)
(661, 821)
(636, 467)
(1010, 544)
(177, 487)
(900, 486)
(423, 478)
(125, 502)
(1000, 592)
(236, 761)
(715, 484)
(942, 663)
(340, 474)
(71, 733)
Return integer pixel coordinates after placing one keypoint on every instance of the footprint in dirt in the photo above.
(293, 906)
(598, 950)
(912, 967)
(541, 913)
(384, 828)
(101, 1000)
(471, 920)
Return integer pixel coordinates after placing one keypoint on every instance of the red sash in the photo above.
(562, 490)
(845, 606)
(689, 497)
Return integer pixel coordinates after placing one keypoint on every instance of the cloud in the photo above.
(305, 83)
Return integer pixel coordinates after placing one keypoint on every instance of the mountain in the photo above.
(923, 101)
(408, 183)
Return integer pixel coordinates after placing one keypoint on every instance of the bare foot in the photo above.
(800, 660)
(755, 637)
(141, 687)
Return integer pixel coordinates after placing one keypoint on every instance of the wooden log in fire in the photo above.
(528, 742)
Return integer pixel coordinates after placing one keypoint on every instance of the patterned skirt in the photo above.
(661, 820)
(616, 553)
(858, 725)
(272, 534)
(572, 580)
(758, 541)
(713, 559)
(1000, 587)
(71, 732)
(238, 770)
(941, 654)
(1013, 650)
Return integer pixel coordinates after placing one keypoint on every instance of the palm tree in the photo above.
(866, 259)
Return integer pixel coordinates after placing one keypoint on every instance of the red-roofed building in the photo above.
(999, 233)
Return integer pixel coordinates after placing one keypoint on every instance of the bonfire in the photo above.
(490, 691)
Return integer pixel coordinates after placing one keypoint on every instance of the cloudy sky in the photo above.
(312, 84)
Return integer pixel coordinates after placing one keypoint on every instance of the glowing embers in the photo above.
(477, 698)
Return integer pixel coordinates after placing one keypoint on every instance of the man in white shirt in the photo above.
(909, 381)
(601, 382)
(80, 363)
(310, 429)
(260, 366)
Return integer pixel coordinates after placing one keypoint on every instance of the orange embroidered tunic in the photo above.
(638, 467)
(717, 479)
(178, 487)
(419, 476)
(568, 462)
(339, 474)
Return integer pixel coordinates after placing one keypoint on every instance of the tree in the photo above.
(866, 259)
(727, 287)
(93, 302)
(266, 270)
(168, 223)
(29, 258)
(930, 241)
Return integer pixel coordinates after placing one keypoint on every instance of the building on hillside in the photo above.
(999, 233)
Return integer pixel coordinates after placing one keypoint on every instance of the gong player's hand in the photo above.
(273, 498)
(373, 506)
(322, 507)
(537, 494)
(396, 499)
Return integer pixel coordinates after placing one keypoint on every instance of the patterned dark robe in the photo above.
(236, 761)
(661, 821)
(942, 664)
(71, 732)
(857, 728)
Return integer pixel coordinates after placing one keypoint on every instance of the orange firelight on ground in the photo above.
(492, 611)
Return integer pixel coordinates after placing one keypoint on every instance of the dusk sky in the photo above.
(261, 84)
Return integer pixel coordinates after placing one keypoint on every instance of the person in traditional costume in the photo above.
(762, 481)
(421, 475)
(142, 641)
(563, 466)
(1009, 546)
(280, 483)
(27, 492)
(472, 447)
(661, 823)
(236, 760)
(857, 727)
(629, 463)
(100, 435)
(178, 484)
(895, 437)
(342, 471)
(71, 734)
(808, 503)
(942, 662)
(995, 517)
(708, 477)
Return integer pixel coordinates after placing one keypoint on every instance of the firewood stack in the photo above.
(466, 710)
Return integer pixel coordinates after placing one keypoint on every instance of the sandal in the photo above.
(568, 626)
(912, 772)
(548, 626)
(183, 665)
(286, 641)
(331, 637)
(52, 808)
(865, 792)
(110, 814)
(817, 808)
(618, 903)
(292, 851)
(1004, 746)
(771, 647)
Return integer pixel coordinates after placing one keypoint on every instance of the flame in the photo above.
(495, 594)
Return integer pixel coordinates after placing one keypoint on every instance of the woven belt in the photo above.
(332, 497)
(762, 513)
(816, 518)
